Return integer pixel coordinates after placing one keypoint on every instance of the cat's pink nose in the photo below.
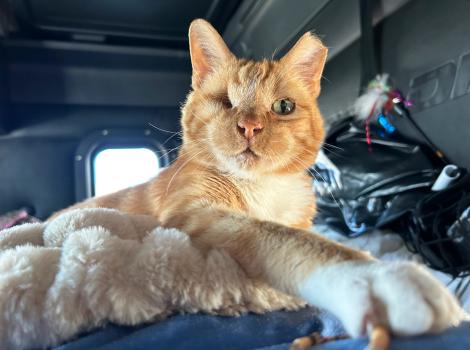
(249, 128)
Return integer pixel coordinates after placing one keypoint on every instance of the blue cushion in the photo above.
(273, 331)
(453, 339)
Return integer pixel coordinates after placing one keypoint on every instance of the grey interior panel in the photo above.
(3, 90)
(37, 173)
(89, 74)
(260, 28)
(162, 22)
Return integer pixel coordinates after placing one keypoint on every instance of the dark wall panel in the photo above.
(426, 49)
(92, 86)
(3, 90)
(92, 74)
(36, 173)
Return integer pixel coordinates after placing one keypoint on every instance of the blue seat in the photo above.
(273, 331)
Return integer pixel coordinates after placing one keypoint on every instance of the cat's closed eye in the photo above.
(225, 100)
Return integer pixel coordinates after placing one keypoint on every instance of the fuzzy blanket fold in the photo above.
(91, 266)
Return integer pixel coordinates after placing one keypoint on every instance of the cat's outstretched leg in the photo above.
(361, 291)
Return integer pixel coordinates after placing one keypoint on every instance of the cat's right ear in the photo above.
(307, 58)
(207, 49)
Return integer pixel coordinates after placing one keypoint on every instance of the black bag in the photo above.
(380, 182)
(439, 228)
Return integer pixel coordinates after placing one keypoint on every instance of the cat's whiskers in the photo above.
(268, 155)
(304, 149)
(333, 152)
(180, 168)
(316, 153)
(309, 170)
(198, 145)
(169, 138)
(300, 162)
(163, 130)
(276, 159)
(168, 151)
(325, 78)
(328, 188)
(174, 133)
(333, 146)
(276, 49)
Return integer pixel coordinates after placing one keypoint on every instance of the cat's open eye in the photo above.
(283, 106)
(225, 100)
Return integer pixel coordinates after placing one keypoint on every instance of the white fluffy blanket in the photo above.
(91, 266)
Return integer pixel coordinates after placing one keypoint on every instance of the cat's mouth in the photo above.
(248, 152)
(247, 157)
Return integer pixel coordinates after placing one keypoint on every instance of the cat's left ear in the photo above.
(307, 58)
(208, 50)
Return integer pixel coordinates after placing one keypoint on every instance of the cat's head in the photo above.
(253, 118)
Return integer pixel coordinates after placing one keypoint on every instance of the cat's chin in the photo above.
(243, 164)
(247, 158)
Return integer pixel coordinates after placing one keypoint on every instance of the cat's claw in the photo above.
(404, 297)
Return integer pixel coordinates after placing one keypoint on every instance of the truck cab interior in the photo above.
(89, 91)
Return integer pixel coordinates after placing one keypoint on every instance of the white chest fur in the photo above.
(282, 199)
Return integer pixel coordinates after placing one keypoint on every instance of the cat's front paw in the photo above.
(404, 297)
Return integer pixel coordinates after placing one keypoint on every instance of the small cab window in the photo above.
(118, 168)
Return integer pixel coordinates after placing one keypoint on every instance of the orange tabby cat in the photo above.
(250, 130)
